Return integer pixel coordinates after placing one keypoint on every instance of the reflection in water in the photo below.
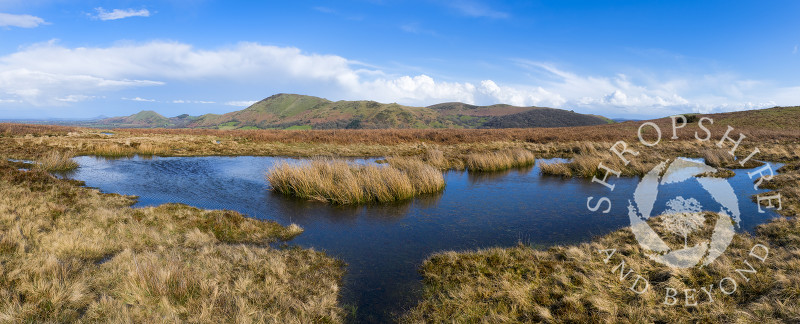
(384, 245)
(475, 177)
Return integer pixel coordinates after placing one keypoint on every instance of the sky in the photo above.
(621, 59)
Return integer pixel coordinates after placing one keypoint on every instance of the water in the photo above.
(385, 245)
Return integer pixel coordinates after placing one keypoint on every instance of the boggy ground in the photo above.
(585, 283)
(72, 254)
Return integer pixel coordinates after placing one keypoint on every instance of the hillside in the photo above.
(769, 118)
(144, 118)
(544, 117)
(292, 111)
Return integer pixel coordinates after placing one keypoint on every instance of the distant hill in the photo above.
(292, 111)
(544, 117)
(144, 118)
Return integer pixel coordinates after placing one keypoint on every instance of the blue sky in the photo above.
(73, 59)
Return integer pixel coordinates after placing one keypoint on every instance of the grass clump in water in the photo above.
(343, 183)
(499, 161)
(56, 161)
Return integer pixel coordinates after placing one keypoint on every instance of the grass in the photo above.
(56, 161)
(587, 166)
(499, 161)
(573, 284)
(73, 254)
(341, 182)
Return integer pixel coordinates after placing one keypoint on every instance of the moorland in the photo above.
(71, 253)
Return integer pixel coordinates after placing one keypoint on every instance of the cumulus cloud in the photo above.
(44, 73)
(22, 21)
(115, 14)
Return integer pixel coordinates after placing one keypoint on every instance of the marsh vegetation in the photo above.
(74, 254)
(342, 182)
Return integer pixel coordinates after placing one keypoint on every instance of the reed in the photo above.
(56, 161)
(499, 161)
(343, 183)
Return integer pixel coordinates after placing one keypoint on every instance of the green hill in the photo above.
(292, 111)
(144, 118)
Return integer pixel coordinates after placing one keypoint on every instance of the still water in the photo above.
(384, 246)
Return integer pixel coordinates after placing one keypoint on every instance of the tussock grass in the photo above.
(499, 161)
(587, 166)
(573, 284)
(73, 254)
(56, 161)
(341, 182)
(721, 158)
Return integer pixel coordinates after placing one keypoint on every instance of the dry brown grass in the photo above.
(587, 166)
(610, 132)
(64, 248)
(72, 254)
(56, 161)
(498, 161)
(342, 182)
(573, 284)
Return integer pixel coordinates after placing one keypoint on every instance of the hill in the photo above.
(144, 118)
(544, 117)
(292, 111)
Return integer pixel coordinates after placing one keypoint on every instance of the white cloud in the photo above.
(22, 21)
(794, 51)
(43, 73)
(139, 99)
(46, 88)
(115, 14)
(241, 103)
(75, 98)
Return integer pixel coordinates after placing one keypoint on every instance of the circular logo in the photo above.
(684, 215)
